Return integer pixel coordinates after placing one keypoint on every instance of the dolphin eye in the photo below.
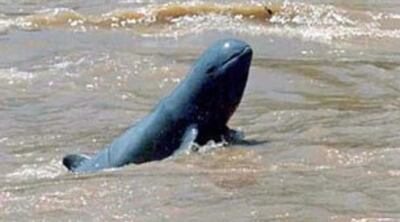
(211, 70)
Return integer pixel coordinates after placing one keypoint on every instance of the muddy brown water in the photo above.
(324, 92)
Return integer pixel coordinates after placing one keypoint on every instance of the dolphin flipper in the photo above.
(73, 161)
(188, 139)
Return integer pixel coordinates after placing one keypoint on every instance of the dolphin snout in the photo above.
(247, 51)
(238, 50)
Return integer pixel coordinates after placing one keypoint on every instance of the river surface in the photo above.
(323, 101)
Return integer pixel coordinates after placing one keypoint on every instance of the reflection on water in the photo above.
(323, 92)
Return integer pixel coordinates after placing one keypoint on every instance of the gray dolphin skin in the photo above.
(196, 111)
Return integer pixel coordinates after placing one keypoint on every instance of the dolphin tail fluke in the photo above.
(73, 161)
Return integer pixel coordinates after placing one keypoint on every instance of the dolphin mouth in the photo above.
(235, 57)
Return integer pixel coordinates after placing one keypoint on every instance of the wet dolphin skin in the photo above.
(196, 111)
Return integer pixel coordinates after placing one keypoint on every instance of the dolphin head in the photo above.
(220, 76)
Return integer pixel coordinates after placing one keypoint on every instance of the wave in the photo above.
(62, 17)
(292, 19)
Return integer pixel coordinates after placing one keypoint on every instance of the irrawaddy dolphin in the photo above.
(197, 111)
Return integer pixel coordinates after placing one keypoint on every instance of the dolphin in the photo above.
(197, 111)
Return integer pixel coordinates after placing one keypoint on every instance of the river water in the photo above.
(323, 100)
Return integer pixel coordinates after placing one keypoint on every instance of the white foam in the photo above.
(5, 24)
(36, 171)
(12, 74)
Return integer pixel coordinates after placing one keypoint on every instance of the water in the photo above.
(323, 92)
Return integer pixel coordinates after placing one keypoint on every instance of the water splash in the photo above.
(36, 171)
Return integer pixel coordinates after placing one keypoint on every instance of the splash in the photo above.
(327, 23)
(35, 171)
(15, 76)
